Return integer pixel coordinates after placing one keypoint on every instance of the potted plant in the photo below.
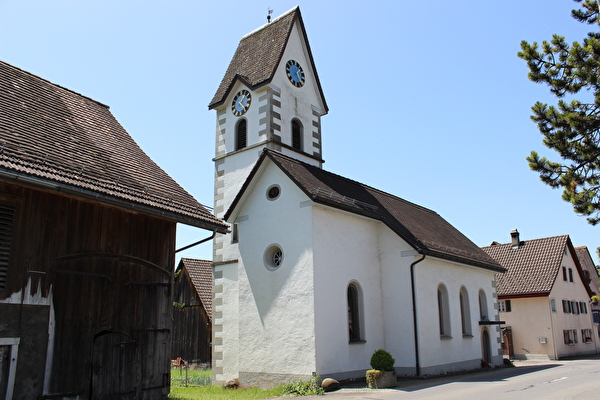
(595, 299)
(382, 374)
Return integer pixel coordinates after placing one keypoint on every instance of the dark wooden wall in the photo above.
(191, 325)
(108, 272)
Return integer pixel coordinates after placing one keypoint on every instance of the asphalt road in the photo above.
(577, 379)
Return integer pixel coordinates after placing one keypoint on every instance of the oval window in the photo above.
(273, 257)
(273, 192)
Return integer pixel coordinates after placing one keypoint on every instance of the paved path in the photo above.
(549, 380)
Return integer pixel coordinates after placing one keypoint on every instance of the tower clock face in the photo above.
(241, 103)
(295, 73)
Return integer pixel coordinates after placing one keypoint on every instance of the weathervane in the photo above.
(269, 12)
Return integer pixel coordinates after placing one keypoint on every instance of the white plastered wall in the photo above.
(276, 326)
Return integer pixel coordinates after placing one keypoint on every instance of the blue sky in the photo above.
(427, 100)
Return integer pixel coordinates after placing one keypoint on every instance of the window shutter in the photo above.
(7, 215)
(508, 306)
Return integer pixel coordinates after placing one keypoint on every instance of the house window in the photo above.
(566, 306)
(234, 233)
(7, 214)
(565, 274)
(504, 306)
(483, 310)
(583, 307)
(570, 336)
(586, 336)
(570, 274)
(443, 311)
(465, 312)
(273, 257)
(575, 307)
(9, 352)
(354, 313)
(241, 134)
(553, 305)
(296, 135)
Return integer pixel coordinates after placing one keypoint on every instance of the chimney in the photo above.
(514, 235)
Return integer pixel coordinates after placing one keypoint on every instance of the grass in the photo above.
(197, 386)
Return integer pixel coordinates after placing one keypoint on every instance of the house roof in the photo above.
(200, 273)
(57, 138)
(531, 267)
(423, 229)
(259, 53)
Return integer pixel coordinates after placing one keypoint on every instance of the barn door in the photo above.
(113, 367)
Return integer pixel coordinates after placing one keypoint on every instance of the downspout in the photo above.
(197, 243)
(414, 310)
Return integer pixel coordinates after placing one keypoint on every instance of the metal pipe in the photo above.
(197, 243)
(414, 310)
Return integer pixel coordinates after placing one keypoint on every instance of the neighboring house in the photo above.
(544, 299)
(320, 271)
(192, 311)
(87, 249)
(590, 273)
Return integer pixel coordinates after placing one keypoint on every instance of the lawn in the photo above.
(196, 385)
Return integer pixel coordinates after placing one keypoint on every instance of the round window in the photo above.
(273, 257)
(273, 192)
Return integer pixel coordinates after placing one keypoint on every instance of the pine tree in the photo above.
(571, 128)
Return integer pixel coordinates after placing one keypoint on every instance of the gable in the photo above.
(532, 267)
(423, 229)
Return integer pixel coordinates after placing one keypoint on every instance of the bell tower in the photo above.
(270, 97)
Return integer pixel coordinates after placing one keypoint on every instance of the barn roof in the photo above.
(54, 137)
(200, 273)
(259, 53)
(425, 230)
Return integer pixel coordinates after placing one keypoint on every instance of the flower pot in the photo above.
(381, 379)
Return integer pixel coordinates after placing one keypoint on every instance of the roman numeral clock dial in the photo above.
(295, 73)
(241, 103)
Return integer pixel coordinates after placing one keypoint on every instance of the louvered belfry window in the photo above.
(7, 214)
(296, 135)
(241, 135)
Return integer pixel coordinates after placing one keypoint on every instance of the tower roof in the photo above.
(259, 53)
(54, 137)
(425, 230)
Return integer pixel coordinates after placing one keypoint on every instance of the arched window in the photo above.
(483, 309)
(354, 313)
(443, 311)
(296, 135)
(241, 135)
(465, 312)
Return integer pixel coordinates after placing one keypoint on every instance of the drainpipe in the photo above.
(414, 310)
(197, 243)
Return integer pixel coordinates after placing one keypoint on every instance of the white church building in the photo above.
(319, 271)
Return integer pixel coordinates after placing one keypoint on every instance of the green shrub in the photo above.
(382, 360)
(303, 388)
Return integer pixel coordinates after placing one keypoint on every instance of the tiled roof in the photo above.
(52, 135)
(200, 272)
(532, 267)
(258, 54)
(422, 228)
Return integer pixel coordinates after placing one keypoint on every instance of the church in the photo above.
(318, 271)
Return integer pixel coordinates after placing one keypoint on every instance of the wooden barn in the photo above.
(192, 312)
(87, 249)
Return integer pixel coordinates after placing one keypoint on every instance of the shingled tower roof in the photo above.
(258, 55)
(425, 230)
(57, 138)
